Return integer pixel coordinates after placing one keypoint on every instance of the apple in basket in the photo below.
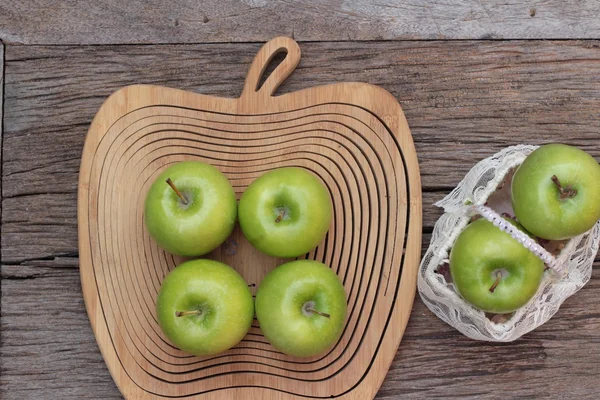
(492, 270)
(286, 212)
(301, 307)
(190, 208)
(556, 192)
(204, 307)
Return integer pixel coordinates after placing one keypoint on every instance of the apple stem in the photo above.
(495, 285)
(565, 192)
(322, 314)
(181, 196)
(184, 313)
(280, 216)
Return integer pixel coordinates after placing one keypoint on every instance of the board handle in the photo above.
(262, 59)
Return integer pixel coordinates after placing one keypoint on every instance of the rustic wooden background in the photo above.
(472, 77)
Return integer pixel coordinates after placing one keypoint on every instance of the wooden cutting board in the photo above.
(354, 136)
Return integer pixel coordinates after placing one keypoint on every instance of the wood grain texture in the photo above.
(1, 118)
(1, 126)
(463, 100)
(46, 335)
(53, 355)
(353, 137)
(190, 21)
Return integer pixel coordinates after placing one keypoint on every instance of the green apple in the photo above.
(556, 192)
(285, 212)
(190, 209)
(492, 270)
(204, 307)
(301, 308)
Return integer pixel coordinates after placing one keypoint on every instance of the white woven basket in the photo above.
(479, 184)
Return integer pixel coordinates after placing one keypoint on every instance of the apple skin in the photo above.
(479, 251)
(202, 225)
(281, 297)
(305, 203)
(536, 198)
(219, 292)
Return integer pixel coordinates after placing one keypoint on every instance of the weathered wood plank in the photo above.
(1, 116)
(189, 21)
(51, 353)
(1, 127)
(48, 348)
(463, 100)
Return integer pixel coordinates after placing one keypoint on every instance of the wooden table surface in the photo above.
(472, 76)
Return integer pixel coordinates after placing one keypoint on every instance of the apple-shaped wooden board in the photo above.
(353, 136)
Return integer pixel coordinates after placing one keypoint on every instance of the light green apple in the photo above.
(190, 209)
(301, 308)
(285, 212)
(492, 270)
(204, 307)
(556, 192)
